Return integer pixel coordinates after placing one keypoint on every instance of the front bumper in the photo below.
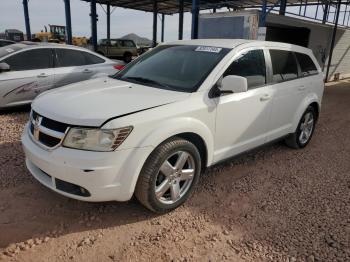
(106, 176)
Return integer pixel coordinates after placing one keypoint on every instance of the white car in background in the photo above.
(29, 69)
(152, 128)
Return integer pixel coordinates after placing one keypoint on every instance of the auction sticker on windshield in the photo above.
(209, 49)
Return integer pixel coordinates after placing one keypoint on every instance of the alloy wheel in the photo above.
(175, 177)
(306, 128)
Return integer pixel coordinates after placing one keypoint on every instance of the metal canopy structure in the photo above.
(170, 7)
(325, 11)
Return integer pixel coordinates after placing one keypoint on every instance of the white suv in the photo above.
(153, 127)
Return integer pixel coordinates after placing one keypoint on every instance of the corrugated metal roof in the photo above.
(172, 6)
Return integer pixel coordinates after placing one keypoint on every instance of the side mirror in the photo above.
(4, 67)
(234, 84)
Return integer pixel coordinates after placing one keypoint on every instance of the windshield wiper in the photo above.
(145, 81)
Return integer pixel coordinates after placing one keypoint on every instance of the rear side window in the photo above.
(102, 42)
(68, 58)
(284, 65)
(92, 59)
(307, 66)
(30, 60)
(250, 65)
(128, 43)
(113, 43)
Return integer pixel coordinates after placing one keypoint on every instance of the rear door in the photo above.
(31, 73)
(114, 49)
(288, 92)
(72, 66)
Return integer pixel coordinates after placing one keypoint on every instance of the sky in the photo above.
(123, 21)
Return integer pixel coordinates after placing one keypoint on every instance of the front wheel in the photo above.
(302, 136)
(169, 175)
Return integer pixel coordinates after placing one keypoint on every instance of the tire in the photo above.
(158, 174)
(296, 140)
(127, 57)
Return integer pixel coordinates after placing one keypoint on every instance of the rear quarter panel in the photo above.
(314, 93)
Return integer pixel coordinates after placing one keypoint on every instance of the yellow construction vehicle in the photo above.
(57, 34)
(79, 41)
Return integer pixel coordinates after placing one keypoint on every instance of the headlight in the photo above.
(94, 139)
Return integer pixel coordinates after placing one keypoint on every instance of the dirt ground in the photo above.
(273, 204)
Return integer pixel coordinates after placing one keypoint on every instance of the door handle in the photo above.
(265, 97)
(301, 88)
(42, 75)
(87, 71)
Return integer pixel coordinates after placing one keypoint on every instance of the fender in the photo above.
(309, 99)
(173, 127)
(165, 130)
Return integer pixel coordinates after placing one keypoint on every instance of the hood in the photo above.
(92, 102)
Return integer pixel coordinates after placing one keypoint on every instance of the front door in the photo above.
(30, 74)
(242, 118)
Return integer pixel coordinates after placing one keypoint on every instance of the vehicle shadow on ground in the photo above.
(17, 109)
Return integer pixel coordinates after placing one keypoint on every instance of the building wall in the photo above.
(341, 55)
(320, 41)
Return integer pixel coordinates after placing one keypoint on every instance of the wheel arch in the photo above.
(198, 142)
(127, 53)
(187, 128)
(311, 100)
(316, 107)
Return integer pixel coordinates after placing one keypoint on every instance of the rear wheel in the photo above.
(169, 175)
(302, 136)
(127, 57)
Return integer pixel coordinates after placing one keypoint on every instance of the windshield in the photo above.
(179, 68)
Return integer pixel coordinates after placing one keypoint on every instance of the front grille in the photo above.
(54, 125)
(48, 141)
(45, 131)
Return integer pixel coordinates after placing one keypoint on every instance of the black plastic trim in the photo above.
(71, 188)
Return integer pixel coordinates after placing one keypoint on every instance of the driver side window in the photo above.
(250, 65)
